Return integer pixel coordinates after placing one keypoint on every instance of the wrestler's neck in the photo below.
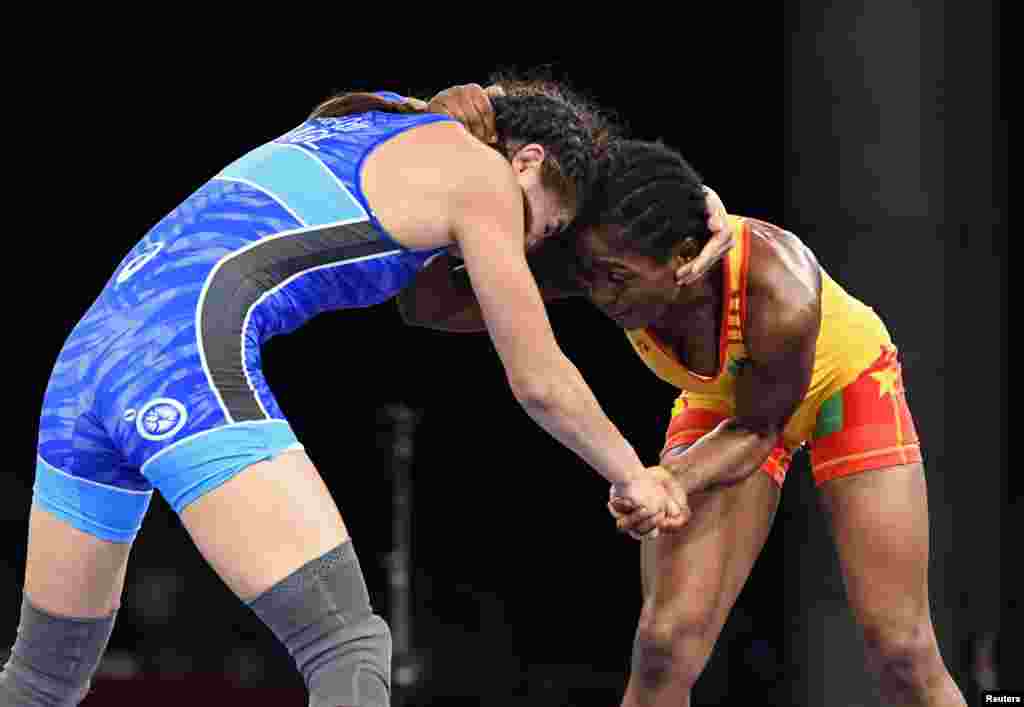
(692, 305)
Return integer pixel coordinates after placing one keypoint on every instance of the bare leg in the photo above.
(880, 525)
(71, 573)
(276, 538)
(691, 581)
(73, 584)
(264, 523)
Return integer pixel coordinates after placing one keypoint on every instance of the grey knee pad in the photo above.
(322, 614)
(53, 659)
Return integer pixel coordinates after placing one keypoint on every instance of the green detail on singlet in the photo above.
(830, 416)
(735, 365)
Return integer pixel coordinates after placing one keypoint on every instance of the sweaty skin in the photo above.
(781, 330)
(878, 516)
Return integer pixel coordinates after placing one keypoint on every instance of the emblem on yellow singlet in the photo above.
(887, 380)
(679, 405)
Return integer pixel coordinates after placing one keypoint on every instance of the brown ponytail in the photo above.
(349, 103)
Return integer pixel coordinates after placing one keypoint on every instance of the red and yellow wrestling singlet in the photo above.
(855, 415)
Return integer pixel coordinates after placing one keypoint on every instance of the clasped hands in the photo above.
(651, 503)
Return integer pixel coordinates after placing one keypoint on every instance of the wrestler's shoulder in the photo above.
(780, 263)
(766, 235)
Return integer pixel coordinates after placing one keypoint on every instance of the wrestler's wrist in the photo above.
(686, 476)
(625, 480)
(627, 468)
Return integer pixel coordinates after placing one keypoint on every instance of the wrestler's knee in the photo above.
(361, 670)
(322, 614)
(902, 650)
(673, 644)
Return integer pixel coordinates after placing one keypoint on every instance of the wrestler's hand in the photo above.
(649, 504)
(721, 241)
(470, 105)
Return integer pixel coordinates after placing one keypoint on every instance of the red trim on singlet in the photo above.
(744, 272)
(728, 308)
(723, 336)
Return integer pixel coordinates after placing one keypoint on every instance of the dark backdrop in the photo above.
(872, 130)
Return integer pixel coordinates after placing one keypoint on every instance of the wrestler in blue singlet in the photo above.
(160, 383)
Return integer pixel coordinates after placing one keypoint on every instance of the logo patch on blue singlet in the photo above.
(160, 419)
(309, 134)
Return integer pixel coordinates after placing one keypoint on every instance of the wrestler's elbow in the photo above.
(754, 428)
(533, 391)
(415, 311)
(756, 439)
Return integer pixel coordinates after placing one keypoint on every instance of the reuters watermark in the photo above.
(1002, 697)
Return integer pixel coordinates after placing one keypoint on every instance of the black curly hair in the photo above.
(602, 123)
(520, 120)
(654, 194)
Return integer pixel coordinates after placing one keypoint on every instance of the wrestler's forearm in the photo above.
(726, 455)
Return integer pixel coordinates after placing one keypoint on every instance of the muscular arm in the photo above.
(487, 223)
(781, 333)
(442, 298)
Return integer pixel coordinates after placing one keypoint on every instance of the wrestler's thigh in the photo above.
(879, 522)
(69, 572)
(700, 570)
(264, 523)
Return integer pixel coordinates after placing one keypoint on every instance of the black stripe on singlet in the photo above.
(242, 278)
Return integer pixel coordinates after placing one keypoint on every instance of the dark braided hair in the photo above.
(656, 197)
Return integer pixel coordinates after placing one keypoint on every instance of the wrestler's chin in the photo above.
(635, 318)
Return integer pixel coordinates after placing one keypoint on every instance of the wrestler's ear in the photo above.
(684, 251)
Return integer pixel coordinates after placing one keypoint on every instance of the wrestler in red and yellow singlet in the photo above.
(855, 415)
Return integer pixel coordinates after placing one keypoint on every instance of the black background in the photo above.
(873, 131)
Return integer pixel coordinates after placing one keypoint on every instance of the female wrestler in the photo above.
(159, 385)
(770, 354)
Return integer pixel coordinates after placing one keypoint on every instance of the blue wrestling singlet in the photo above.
(160, 384)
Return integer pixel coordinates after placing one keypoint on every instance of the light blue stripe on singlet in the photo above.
(196, 465)
(108, 512)
(300, 181)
